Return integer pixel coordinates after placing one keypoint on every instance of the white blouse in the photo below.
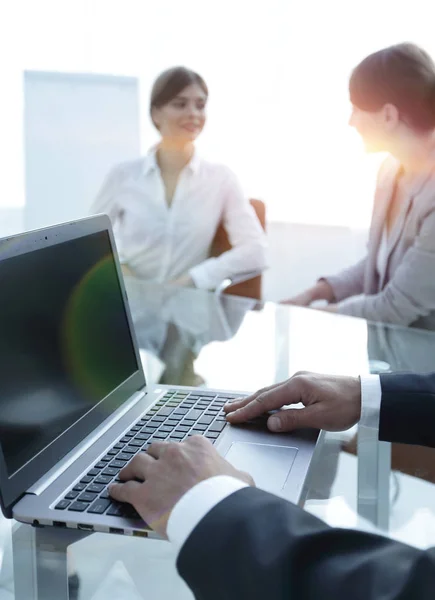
(161, 243)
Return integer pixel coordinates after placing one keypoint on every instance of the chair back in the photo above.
(253, 287)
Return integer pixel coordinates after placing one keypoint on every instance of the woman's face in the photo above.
(183, 118)
(378, 130)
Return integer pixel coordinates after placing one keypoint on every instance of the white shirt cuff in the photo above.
(200, 275)
(371, 394)
(196, 503)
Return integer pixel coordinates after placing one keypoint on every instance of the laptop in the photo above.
(74, 403)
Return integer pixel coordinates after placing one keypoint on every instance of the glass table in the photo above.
(195, 338)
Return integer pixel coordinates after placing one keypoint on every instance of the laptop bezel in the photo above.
(12, 488)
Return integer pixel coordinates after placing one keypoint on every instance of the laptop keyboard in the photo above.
(174, 418)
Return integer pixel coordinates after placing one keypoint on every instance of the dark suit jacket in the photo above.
(254, 545)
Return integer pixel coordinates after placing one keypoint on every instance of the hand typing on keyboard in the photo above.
(155, 480)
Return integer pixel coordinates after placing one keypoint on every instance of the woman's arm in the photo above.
(410, 293)
(246, 237)
(347, 283)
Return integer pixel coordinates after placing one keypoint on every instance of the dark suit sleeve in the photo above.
(408, 409)
(254, 545)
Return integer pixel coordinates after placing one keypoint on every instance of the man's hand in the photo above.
(331, 403)
(157, 479)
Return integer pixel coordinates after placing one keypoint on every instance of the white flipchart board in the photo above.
(76, 127)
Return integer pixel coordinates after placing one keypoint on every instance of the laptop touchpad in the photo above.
(269, 465)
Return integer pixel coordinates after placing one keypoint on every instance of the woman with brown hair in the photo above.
(393, 96)
(167, 206)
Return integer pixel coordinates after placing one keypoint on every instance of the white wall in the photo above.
(277, 71)
(11, 221)
(76, 128)
(300, 254)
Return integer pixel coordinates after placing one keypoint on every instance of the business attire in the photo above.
(394, 283)
(161, 243)
(238, 542)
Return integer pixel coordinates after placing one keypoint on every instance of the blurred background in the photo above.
(76, 78)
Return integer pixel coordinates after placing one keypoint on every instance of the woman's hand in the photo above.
(321, 291)
(184, 280)
(126, 271)
(331, 308)
(303, 299)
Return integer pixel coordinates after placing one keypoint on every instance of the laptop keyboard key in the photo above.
(117, 464)
(130, 512)
(78, 506)
(194, 414)
(72, 494)
(103, 479)
(93, 472)
(161, 435)
(100, 465)
(105, 494)
(62, 505)
(115, 510)
(86, 479)
(110, 471)
(200, 427)
(217, 427)
(167, 428)
(99, 506)
(180, 412)
(86, 497)
(212, 435)
(142, 436)
(81, 486)
(182, 428)
(150, 428)
(205, 420)
(95, 488)
(177, 435)
(165, 412)
(123, 456)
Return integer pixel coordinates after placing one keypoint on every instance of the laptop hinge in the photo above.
(42, 484)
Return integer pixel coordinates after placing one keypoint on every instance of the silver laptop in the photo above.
(74, 404)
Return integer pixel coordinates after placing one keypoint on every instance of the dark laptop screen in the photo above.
(65, 341)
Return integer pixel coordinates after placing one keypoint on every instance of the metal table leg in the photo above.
(40, 561)
(282, 345)
(374, 469)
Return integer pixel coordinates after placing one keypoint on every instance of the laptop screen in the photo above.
(65, 341)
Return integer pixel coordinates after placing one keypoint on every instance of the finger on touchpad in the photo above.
(261, 420)
(268, 464)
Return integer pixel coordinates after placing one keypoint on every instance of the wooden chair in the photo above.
(243, 284)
